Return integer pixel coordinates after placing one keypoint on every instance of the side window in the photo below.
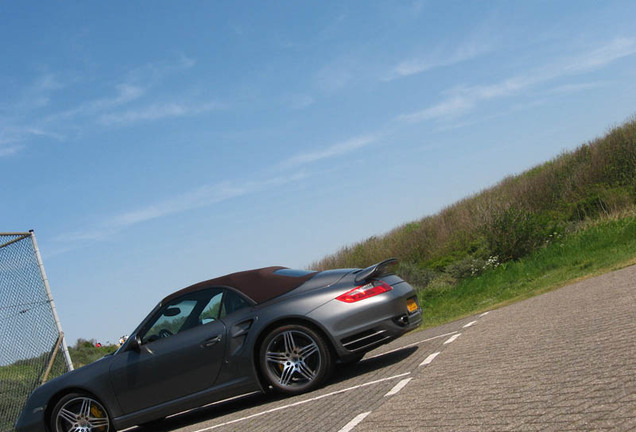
(232, 302)
(211, 310)
(170, 320)
(184, 313)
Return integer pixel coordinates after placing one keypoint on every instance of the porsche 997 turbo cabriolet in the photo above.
(267, 329)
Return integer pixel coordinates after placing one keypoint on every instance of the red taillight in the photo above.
(364, 291)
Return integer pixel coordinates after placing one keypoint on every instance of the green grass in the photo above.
(565, 219)
(514, 217)
(17, 380)
(601, 247)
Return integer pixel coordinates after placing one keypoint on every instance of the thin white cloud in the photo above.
(203, 196)
(24, 126)
(125, 93)
(25, 118)
(436, 59)
(34, 97)
(12, 136)
(199, 197)
(334, 150)
(335, 76)
(152, 73)
(575, 88)
(448, 108)
(602, 56)
(157, 111)
(463, 99)
(9, 151)
(38, 94)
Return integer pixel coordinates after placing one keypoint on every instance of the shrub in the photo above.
(466, 267)
(514, 217)
(415, 275)
(514, 233)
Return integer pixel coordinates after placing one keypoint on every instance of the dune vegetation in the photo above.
(568, 218)
(18, 379)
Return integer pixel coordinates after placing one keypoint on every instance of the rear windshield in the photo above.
(293, 272)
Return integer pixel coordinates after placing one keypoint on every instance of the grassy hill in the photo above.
(567, 218)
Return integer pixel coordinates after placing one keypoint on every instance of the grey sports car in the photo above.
(267, 329)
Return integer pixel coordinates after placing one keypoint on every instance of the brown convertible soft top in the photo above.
(259, 285)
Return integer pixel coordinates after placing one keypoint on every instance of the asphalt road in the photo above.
(565, 360)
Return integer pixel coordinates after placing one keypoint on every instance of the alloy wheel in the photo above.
(294, 359)
(81, 414)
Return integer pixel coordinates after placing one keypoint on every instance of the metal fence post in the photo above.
(45, 280)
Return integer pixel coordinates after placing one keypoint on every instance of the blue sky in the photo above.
(152, 145)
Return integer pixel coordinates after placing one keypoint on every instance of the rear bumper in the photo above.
(359, 327)
(381, 332)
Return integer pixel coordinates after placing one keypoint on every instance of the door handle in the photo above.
(211, 342)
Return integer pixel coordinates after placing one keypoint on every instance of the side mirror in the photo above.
(135, 344)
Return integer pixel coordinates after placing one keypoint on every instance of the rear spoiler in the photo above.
(375, 270)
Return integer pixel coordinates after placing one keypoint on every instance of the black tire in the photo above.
(294, 359)
(76, 410)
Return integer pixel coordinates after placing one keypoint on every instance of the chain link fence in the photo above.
(32, 346)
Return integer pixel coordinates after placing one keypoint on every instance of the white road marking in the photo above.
(353, 423)
(428, 360)
(399, 386)
(302, 402)
(410, 345)
(394, 390)
(452, 338)
(484, 314)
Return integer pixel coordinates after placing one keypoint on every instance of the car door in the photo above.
(181, 352)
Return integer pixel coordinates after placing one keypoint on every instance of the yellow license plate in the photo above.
(411, 305)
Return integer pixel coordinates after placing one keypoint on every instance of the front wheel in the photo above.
(77, 412)
(294, 359)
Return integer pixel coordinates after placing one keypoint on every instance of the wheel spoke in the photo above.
(85, 410)
(67, 415)
(288, 339)
(308, 350)
(286, 374)
(98, 422)
(81, 414)
(276, 357)
(304, 370)
(293, 359)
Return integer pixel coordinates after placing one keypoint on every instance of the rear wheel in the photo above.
(294, 359)
(78, 412)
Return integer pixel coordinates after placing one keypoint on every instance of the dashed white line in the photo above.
(484, 314)
(399, 386)
(356, 420)
(353, 423)
(303, 402)
(452, 338)
(410, 345)
(428, 360)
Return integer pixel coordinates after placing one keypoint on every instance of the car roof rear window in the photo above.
(293, 272)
